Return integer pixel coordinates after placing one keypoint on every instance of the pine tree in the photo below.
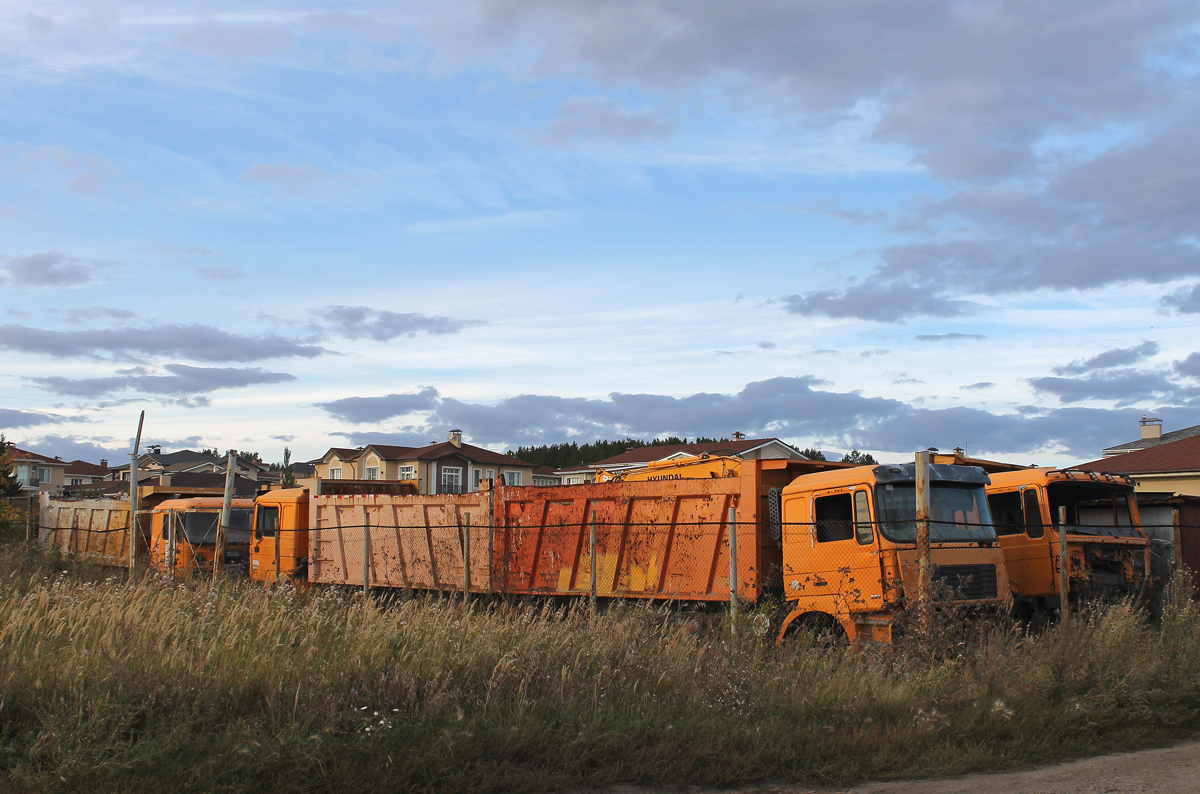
(9, 485)
(289, 472)
(861, 458)
(812, 453)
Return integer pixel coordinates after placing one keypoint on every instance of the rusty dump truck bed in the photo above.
(653, 540)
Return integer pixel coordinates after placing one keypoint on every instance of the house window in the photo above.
(371, 473)
(43, 475)
(451, 479)
(512, 478)
(76, 481)
(335, 474)
(406, 472)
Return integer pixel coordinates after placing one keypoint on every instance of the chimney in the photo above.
(1151, 428)
(456, 438)
(104, 463)
(738, 435)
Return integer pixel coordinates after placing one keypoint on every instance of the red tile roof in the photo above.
(24, 454)
(1182, 455)
(83, 468)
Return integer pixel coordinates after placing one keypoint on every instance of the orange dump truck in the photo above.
(1108, 552)
(183, 535)
(837, 542)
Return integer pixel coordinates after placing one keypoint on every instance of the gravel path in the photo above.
(1168, 770)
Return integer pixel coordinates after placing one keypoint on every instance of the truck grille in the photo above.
(967, 581)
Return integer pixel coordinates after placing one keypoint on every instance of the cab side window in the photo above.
(1006, 512)
(1033, 514)
(834, 517)
(266, 521)
(863, 527)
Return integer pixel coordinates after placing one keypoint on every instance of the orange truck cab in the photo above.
(279, 542)
(850, 553)
(1108, 552)
(183, 535)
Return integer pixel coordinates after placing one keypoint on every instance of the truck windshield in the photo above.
(1094, 508)
(201, 528)
(957, 513)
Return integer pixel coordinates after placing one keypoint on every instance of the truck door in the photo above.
(264, 543)
(830, 552)
(1018, 519)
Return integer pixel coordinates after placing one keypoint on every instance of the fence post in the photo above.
(133, 507)
(733, 563)
(1064, 568)
(366, 553)
(226, 505)
(171, 543)
(592, 555)
(29, 517)
(466, 546)
(278, 537)
(924, 551)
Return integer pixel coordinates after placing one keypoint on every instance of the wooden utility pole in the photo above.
(226, 505)
(924, 551)
(133, 495)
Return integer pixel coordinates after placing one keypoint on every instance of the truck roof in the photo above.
(1042, 476)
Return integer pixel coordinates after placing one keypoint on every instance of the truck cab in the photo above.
(183, 535)
(850, 552)
(1108, 552)
(279, 542)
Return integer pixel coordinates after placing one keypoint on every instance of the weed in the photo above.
(110, 683)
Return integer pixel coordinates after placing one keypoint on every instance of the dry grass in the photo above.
(114, 685)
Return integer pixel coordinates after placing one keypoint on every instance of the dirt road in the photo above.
(1169, 770)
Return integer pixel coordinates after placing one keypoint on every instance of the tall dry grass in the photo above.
(111, 684)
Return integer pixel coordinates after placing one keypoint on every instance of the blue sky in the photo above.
(851, 224)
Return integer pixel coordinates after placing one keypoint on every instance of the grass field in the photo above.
(116, 685)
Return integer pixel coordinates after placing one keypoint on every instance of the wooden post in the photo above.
(226, 505)
(133, 495)
(29, 517)
(466, 546)
(133, 509)
(366, 553)
(924, 550)
(171, 543)
(733, 563)
(1064, 565)
(278, 537)
(592, 555)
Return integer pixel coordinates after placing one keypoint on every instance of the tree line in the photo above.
(559, 456)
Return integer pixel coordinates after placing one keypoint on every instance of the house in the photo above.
(36, 472)
(339, 463)
(544, 475)
(576, 475)
(451, 466)
(154, 462)
(1164, 467)
(82, 473)
(738, 446)
(1151, 436)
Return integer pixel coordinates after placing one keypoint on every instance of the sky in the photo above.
(851, 224)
